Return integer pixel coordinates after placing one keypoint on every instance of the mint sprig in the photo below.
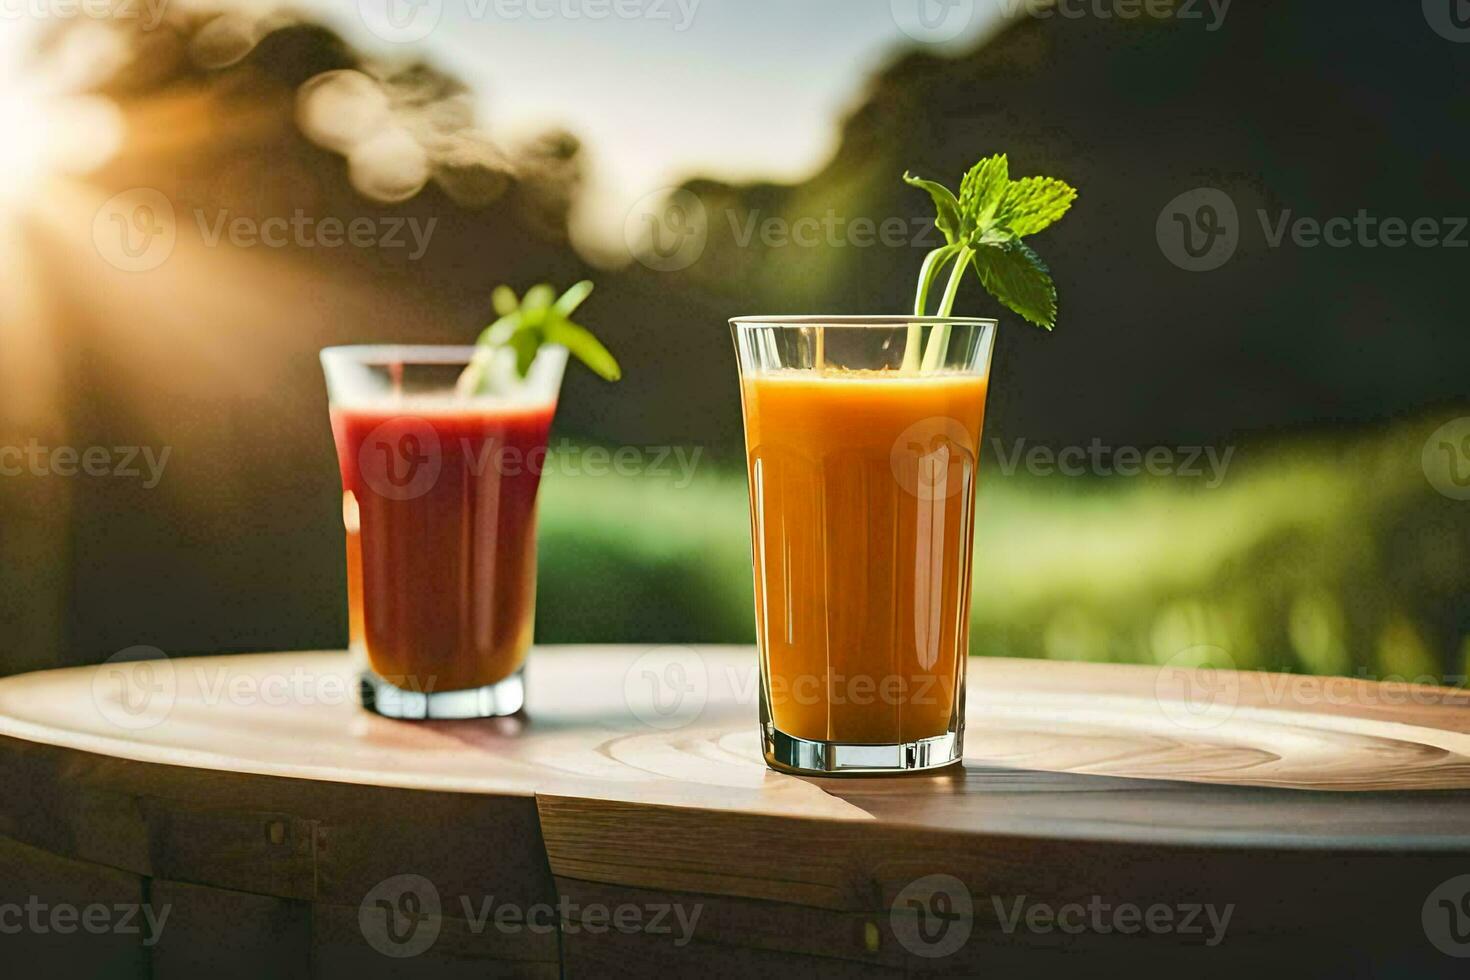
(983, 227)
(524, 325)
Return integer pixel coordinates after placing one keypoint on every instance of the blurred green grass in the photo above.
(1328, 556)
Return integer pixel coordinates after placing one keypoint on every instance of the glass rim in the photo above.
(858, 320)
(401, 353)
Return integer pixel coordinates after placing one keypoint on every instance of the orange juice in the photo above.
(862, 496)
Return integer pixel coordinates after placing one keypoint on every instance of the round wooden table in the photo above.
(1106, 817)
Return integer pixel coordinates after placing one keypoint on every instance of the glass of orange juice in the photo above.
(862, 462)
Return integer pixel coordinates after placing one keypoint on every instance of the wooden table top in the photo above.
(252, 797)
(1053, 750)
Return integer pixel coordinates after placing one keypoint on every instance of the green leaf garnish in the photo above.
(983, 228)
(981, 192)
(1016, 276)
(1033, 203)
(948, 221)
(524, 325)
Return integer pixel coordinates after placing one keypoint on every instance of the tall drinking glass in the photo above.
(862, 462)
(439, 503)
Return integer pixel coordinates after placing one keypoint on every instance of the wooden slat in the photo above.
(223, 935)
(34, 884)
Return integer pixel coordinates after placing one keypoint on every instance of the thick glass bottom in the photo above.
(801, 756)
(491, 701)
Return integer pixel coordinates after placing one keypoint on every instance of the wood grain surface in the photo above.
(253, 797)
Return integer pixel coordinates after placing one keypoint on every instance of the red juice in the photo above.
(440, 510)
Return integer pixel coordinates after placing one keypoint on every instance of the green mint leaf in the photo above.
(538, 298)
(504, 301)
(948, 220)
(525, 343)
(982, 191)
(1016, 276)
(523, 326)
(572, 298)
(1032, 203)
(585, 347)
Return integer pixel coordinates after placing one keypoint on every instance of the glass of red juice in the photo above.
(439, 504)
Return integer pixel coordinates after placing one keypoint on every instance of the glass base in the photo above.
(801, 756)
(491, 701)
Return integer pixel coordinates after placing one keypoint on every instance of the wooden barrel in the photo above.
(246, 818)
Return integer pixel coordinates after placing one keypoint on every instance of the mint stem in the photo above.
(934, 263)
(939, 336)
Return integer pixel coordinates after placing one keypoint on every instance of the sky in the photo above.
(662, 90)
